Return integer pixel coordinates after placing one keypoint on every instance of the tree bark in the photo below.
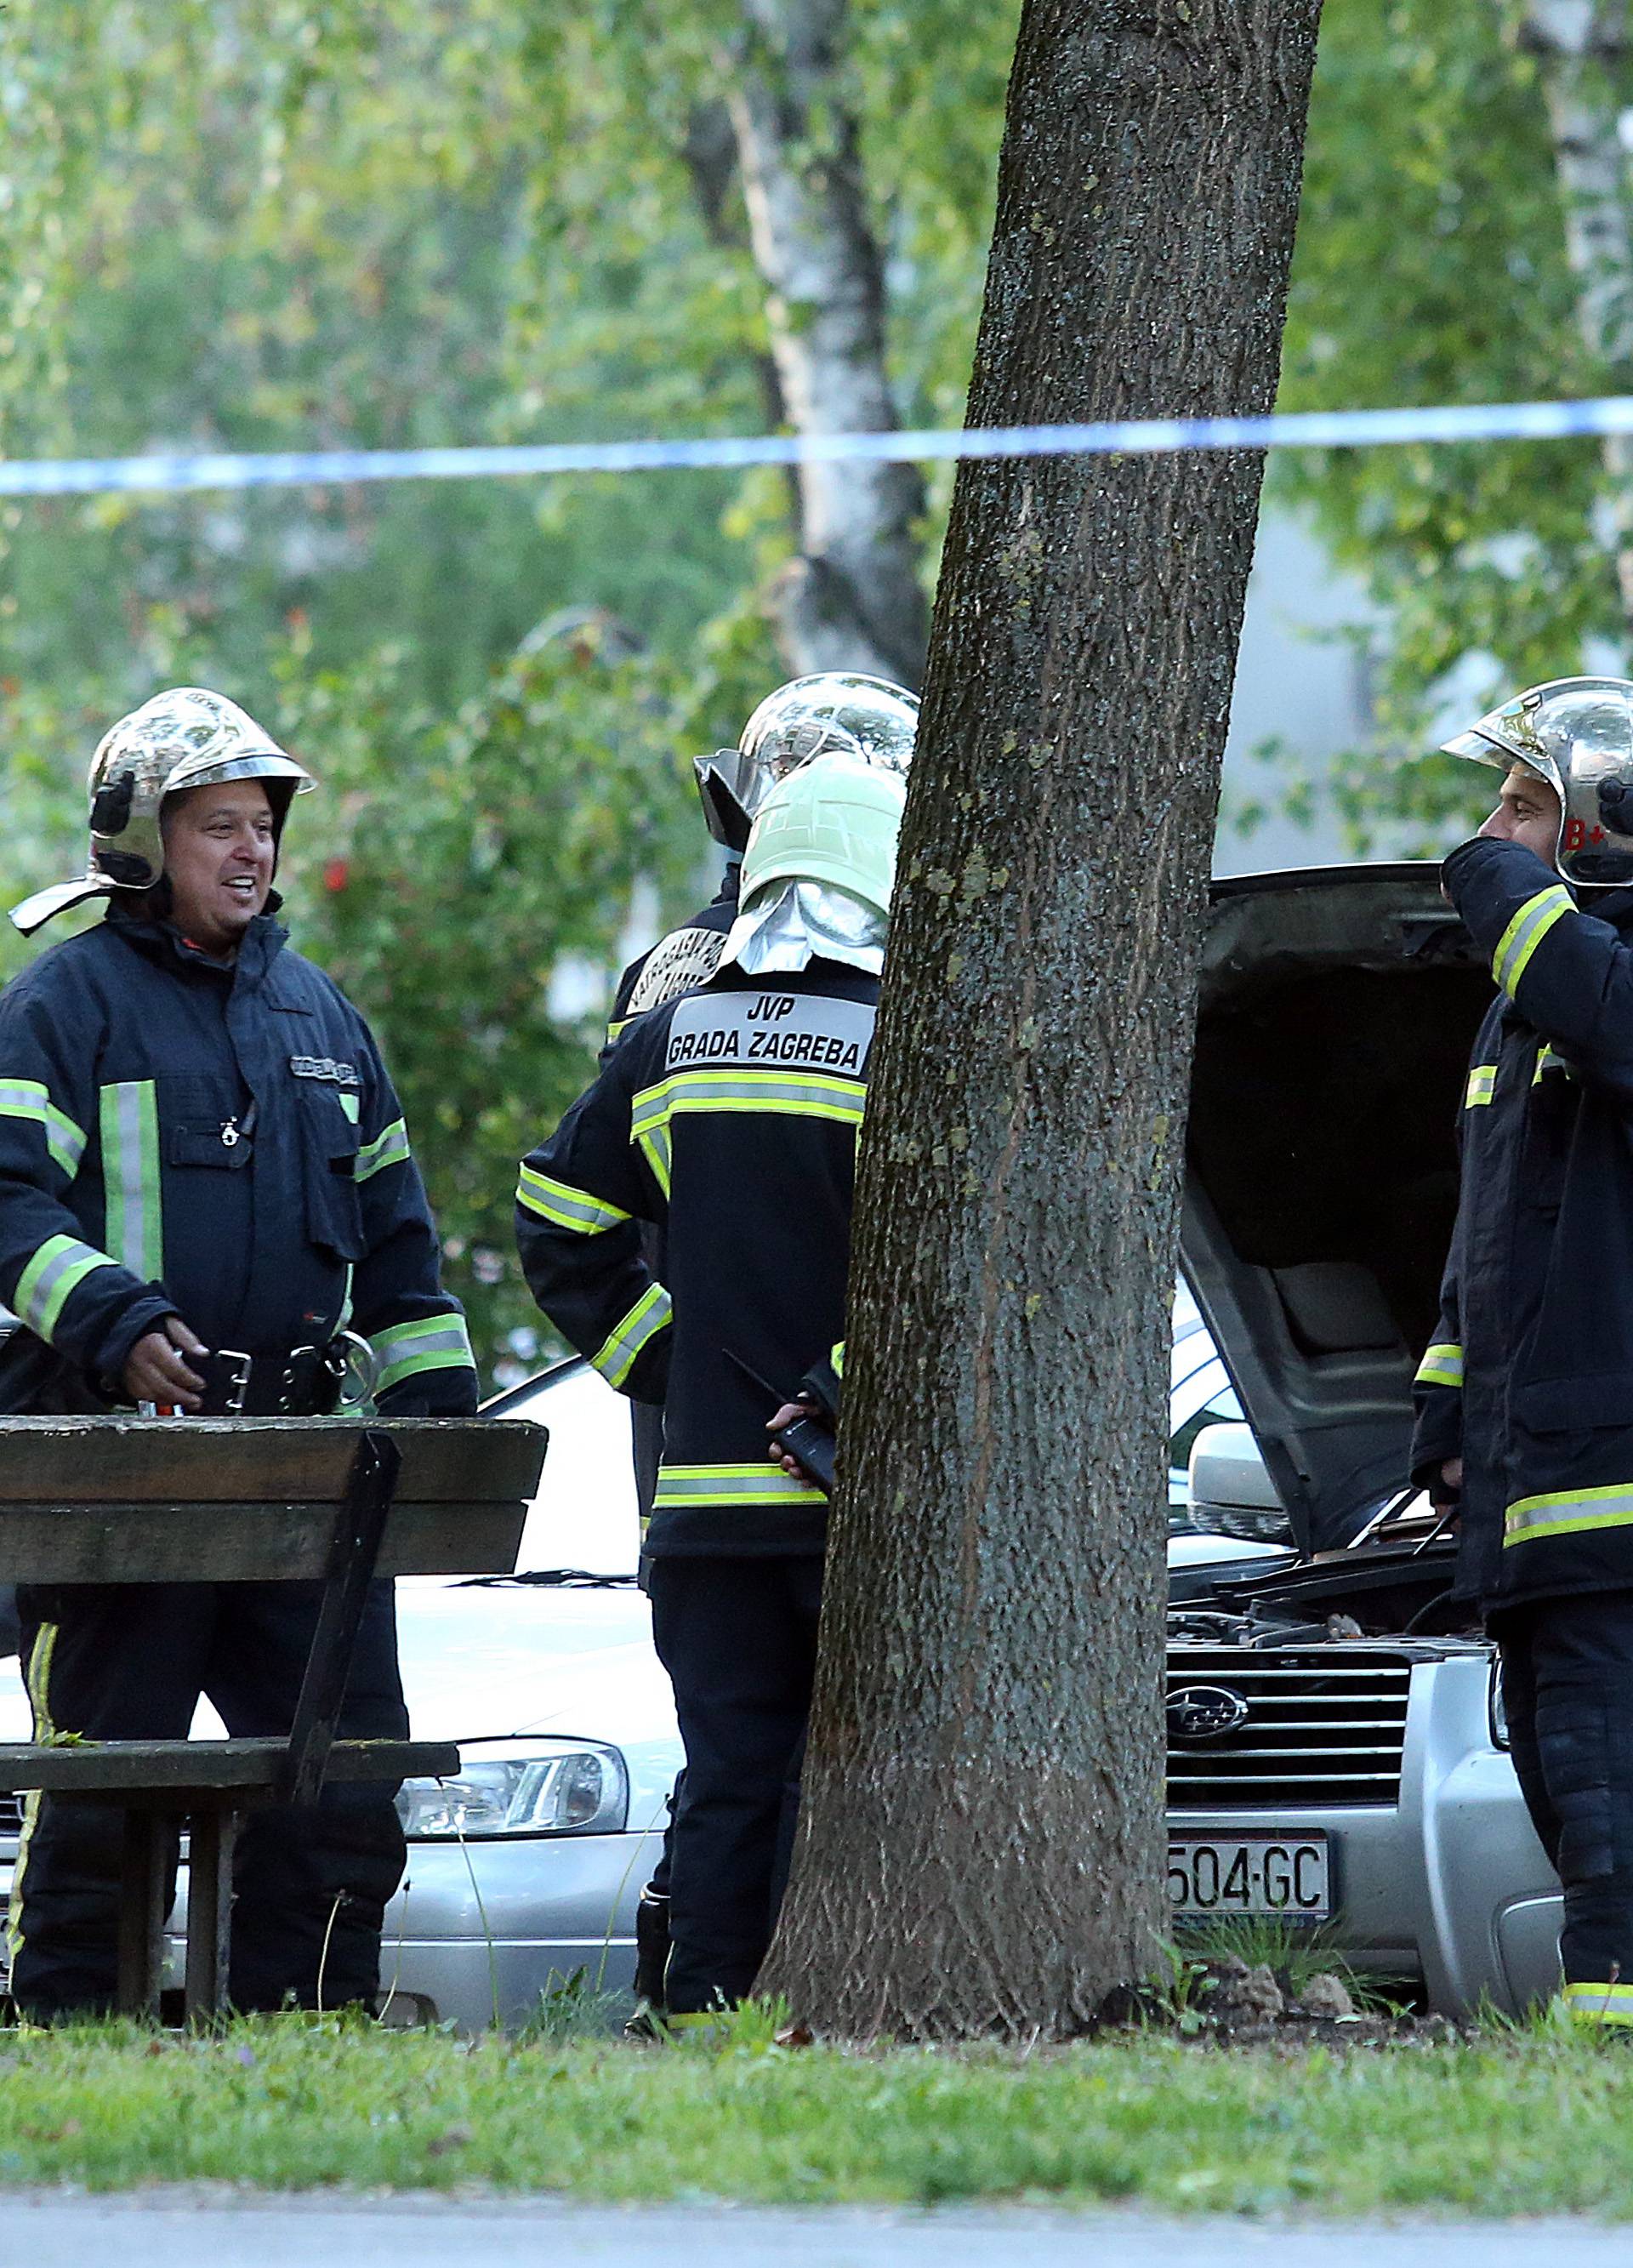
(981, 1842)
(1583, 49)
(851, 599)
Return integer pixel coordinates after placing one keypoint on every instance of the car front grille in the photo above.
(10, 1813)
(1320, 1725)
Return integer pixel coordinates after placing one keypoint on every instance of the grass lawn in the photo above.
(1511, 2122)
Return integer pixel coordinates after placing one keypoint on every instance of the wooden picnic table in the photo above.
(126, 1499)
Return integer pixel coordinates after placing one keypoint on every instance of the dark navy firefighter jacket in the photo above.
(219, 1143)
(728, 1119)
(1530, 1380)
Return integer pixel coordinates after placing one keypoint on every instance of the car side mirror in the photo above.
(1231, 1492)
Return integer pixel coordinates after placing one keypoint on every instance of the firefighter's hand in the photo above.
(1447, 1493)
(155, 1370)
(788, 1415)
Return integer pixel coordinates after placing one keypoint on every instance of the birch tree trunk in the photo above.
(981, 1850)
(852, 598)
(1583, 49)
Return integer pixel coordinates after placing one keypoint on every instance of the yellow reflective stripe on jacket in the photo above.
(1482, 1079)
(683, 1488)
(1599, 2004)
(50, 1279)
(388, 1148)
(837, 1360)
(658, 1152)
(803, 1094)
(1441, 1366)
(1570, 1512)
(133, 1220)
(623, 1346)
(428, 1342)
(1526, 931)
(1547, 1060)
(27, 1098)
(566, 1207)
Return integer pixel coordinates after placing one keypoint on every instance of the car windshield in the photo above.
(584, 1517)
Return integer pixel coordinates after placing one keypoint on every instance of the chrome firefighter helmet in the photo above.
(1576, 733)
(866, 717)
(182, 738)
(819, 868)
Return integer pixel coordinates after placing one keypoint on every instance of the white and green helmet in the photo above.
(819, 869)
(834, 821)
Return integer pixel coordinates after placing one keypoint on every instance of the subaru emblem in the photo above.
(1204, 1712)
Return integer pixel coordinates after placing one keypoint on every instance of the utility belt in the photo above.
(311, 1381)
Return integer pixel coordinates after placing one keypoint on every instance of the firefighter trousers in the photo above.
(738, 1638)
(1568, 1694)
(129, 1662)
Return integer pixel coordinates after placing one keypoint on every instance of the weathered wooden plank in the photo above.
(249, 1459)
(211, 1836)
(145, 1872)
(242, 1543)
(135, 1767)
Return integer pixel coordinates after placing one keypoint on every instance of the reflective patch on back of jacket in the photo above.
(677, 963)
(803, 1031)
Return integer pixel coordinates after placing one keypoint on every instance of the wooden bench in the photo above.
(245, 1499)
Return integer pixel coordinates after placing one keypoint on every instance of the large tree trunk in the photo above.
(851, 601)
(1583, 49)
(982, 1844)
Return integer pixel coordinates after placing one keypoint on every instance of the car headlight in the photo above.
(1496, 1713)
(520, 1787)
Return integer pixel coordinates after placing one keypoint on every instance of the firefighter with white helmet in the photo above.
(827, 711)
(830, 712)
(206, 1193)
(729, 1119)
(1525, 1424)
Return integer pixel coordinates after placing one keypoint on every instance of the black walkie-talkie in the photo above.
(807, 1439)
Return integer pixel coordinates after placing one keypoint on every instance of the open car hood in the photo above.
(1336, 1012)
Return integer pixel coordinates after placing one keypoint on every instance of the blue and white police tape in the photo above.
(1317, 429)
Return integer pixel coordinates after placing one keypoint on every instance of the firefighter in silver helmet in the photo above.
(729, 1117)
(1525, 1399)
(863, 717)
(206, 1190)
(182, 739)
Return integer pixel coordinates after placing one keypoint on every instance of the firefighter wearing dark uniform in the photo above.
(865, 716)
(729, 1119)
(213, 1140)
(1530, 1380)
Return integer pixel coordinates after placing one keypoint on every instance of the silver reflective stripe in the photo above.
(27, 1098)
(389, 1148)
(566, 1207)
(1526, 931)
(51, 1278)
(1569, 1512)
(130, 1129)
(437, 1343)
(817, 1092)
(622, 1349)
(725, 1486)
